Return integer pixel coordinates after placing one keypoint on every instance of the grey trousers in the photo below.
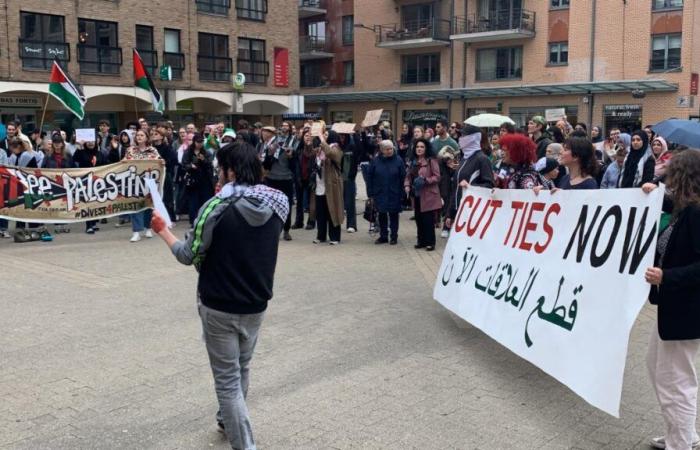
(230, 341)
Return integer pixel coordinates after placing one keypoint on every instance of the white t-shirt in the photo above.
(320, 185)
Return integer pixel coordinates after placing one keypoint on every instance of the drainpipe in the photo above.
(452, 44)
(395, 122)
(591, 72)
(7, 39)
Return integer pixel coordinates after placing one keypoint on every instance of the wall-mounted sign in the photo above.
(38, 50)
(693, 84)
(239, 82)
(684, 101)
(20, 101)
(623, 111)
(281, 64)
(424, 117)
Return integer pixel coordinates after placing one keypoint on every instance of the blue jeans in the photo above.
(141, 221)
(230, 341)
(349, 196)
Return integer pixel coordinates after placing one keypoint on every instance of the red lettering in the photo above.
(472, 229)
(530, 225)
(459, 227)
(520, 225)
(554, 208)
(495, 204)
(516, 206)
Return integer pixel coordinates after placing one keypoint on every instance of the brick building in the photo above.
(607, 62)
(205, 43)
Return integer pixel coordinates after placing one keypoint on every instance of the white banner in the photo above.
(556, 278)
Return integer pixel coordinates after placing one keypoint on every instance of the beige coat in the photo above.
(333, 179)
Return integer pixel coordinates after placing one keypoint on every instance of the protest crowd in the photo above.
(422, 172)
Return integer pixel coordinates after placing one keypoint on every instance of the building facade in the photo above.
(204, 42)
(609, 63)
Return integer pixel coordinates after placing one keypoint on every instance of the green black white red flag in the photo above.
(144, 81)
(65, 91)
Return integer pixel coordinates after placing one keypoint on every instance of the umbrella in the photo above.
(488, 120)
(682, 132)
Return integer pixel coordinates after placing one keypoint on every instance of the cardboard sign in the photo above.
(316, 129)
(558, 279)
(372, 118)
(344, 128)
(553, 115)
(85, 135)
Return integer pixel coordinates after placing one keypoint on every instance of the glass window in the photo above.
(41, 40)
(171, 53)
(220, 7)
(98, 47)
(213, 62)
(251, 60)
(665, 52)
(666, 4)
(558, 4)
(144, 45)
(415, 17)
(348, 30)
(559, 53)
(499, 64)
(348, 73)
(418, 69)
(251, 9)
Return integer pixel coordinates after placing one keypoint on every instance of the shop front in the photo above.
(424, 117)
(26, 108)
(627, 118)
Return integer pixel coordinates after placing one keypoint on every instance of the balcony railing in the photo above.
(493, 21)
(499, 73)
(311, 44)
(98, 59)
(40, 55)
(670, 63)
(176, 61)
(150, 60)
(214, 68)
(436, 29)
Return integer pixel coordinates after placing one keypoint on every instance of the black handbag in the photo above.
(370, 214)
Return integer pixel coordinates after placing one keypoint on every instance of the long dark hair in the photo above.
(428, 149)
(197, 138)
(243, 160)
(582, 148)
(683, 178)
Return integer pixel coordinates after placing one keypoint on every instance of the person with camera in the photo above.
(198, 177)
(278, 161)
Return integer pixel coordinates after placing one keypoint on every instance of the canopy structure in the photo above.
(582, 88)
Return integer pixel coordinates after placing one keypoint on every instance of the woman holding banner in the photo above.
(675, 281)
(141, 221)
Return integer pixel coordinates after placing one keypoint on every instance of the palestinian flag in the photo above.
(144, 81)
(65, 91)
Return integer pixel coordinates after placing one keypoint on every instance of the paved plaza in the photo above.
(100, 348)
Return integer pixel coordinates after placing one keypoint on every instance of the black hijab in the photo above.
(632, 160)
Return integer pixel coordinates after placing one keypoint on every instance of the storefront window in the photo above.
(341, 116)
(627, 118)
(425, 118)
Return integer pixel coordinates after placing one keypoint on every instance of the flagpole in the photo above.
(43, 114)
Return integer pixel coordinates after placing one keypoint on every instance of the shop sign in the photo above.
(433, 115)
(623, 111)
(693, 84)
(20, 101)
(281, 63)
(43, 51)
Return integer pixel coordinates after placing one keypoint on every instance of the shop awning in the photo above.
(583, 88)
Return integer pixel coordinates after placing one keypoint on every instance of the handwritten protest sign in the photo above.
(558, 279)
(344, 128)
(316, 129)
(372, 118)
(554, 114)
(75, 195)
(85, 135)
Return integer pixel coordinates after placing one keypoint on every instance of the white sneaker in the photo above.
(4, 234)
(334, 242)
(149, 233)
(445, 234)
(351, 230)
(660, 442)
(135, 237)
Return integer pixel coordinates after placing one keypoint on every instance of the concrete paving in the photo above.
(100, 348)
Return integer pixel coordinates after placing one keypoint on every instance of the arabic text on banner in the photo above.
(556, 278)
(74, 195)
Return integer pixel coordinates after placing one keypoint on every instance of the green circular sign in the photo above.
(239, 81)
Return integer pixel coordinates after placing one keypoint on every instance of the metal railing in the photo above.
(500, 73)
(308, 44)
(150, 60)
(503, 20)
(670, 63)
(418, 29)
(214, 68)
(40, 54)
(176, 61)
(98, 59)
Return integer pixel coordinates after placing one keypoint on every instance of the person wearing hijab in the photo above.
(598, 142)
(474, 168)
(659, 149)
(639, 164)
